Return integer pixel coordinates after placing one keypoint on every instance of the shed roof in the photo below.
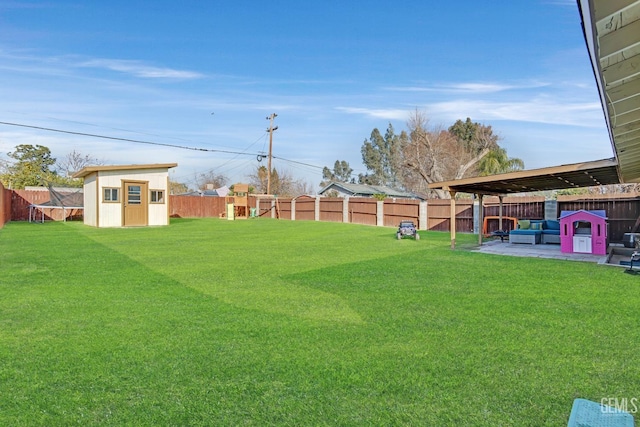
(91, 169)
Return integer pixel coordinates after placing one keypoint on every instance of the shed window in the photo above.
(157, 196)
(111, 195)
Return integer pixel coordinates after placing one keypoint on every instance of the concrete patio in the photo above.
(535, 251)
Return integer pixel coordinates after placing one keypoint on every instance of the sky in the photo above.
(194, 81)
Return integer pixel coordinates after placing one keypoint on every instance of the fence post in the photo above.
(422, 215)
(258, 206)
(273, 208)
(345, 209)
(317, 209)
(379, 213)
(293, 209)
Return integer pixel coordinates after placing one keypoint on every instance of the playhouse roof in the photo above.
(599, 213)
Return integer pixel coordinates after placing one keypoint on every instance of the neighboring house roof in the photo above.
(91, 169)
(362, 190)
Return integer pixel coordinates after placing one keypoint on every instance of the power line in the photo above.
(137, 141)
(299, 163)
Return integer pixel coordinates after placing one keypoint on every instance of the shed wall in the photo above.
(110, 214)
(90, 200)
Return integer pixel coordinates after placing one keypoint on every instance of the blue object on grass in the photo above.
(586, 413)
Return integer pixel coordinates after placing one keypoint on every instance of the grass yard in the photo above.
(266, 322)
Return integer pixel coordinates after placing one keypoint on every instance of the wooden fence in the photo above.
(623, 211)
(196, 206)
(5, 205)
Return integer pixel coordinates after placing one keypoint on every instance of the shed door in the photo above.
(135, 206)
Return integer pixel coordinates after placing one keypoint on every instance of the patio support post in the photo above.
(480, 219)
(452, 221)
(500, 214)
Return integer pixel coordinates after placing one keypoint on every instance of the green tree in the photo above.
(383, 158)
(341, 173)
(474, 137)
(177, 187)
(482, 143)
(31, 167)
(497, 161)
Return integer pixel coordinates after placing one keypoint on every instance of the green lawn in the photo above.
(266, 322)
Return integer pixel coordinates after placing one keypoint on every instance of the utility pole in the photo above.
(270, 130)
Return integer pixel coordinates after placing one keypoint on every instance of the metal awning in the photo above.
(612, 33)
(576, 175)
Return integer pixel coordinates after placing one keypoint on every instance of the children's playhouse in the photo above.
(583, 232)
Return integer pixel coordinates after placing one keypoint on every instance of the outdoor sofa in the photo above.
(536, 231)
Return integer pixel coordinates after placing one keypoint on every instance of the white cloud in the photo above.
(538, 110)
(468, 87)
(389, 114)
(542, 109)
(139, 69)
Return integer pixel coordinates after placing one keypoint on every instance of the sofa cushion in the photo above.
(551, 232)
(525, 231)
(552, 225)
(524, 224)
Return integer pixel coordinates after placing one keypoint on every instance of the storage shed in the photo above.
(126, 195)
(583, 232)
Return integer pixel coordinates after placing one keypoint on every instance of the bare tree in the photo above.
(282, 183)
(75, 161)
(434, 154)
(210, 179)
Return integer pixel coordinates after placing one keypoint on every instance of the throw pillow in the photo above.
(536, 226)
(524, 224)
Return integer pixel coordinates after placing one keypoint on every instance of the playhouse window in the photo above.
(157, 196)
(582, 227)
(111, 195)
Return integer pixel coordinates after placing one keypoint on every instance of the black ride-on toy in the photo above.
(408, 229)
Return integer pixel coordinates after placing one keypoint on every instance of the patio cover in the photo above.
(576, 175)
(611, 29)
